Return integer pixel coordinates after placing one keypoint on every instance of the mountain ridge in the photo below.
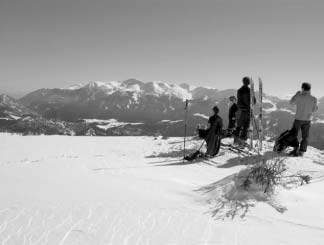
(150, 108)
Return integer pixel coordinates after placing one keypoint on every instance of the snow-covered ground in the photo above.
(136, 190)
(201, 115)
(110, 123)
(170, 121)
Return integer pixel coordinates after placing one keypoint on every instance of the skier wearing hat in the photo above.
(232, 116)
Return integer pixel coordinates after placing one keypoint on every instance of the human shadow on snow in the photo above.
(169, 154)
(248, 160)
(228, 199)
(176, 159)
(181, 162)
(232, 162)
(176, 152)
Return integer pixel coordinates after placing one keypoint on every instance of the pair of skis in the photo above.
(256, 124)
(236, 149)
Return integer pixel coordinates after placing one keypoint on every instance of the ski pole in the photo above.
(185, 129)
(201, 145)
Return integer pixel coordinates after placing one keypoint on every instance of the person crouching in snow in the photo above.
(306, 105)
(213, 138)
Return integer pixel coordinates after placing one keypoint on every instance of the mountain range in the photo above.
(132, 107)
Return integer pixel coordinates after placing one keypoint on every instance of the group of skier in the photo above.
(240, 117)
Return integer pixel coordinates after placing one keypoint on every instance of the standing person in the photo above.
(243, 113)
(232, 116)
(306, 105)
(213, 139)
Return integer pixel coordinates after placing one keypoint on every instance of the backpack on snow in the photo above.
(285, 140)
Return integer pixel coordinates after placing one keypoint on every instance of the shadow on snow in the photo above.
(248, 160)
(228, 199)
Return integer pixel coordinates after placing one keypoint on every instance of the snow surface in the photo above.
(318, 120)
(75, 87)
(10, 117)
(273, 108)
(286, 96)
(170, 121)
(110, 123)
(15, 117)
(201, 115)
(163, 88)
(287, 110)
(158, 88)
(136, 190)
(155, 88)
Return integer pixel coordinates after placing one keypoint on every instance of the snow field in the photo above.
(136, 190)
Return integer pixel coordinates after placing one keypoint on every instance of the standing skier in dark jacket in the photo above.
(243, 113)
(232, 116)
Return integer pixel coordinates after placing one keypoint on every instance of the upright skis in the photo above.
(256, 125)
(251, 113)
(261, 115)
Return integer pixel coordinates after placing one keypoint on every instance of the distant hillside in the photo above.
(144, 109)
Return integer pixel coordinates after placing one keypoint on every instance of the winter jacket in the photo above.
(306, 105)
(243, 98)
(215, 119)
(232, 112)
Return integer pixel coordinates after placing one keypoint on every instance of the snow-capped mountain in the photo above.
(134, 100)
(129, 100)
(136, 87)
(152, 108)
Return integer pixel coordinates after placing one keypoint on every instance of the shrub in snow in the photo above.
(271, 173)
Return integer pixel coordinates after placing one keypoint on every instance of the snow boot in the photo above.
(242, 144)
(296, 153)
(192, 156)
(236, 140)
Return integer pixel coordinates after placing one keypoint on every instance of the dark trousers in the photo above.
(304, 126)
(231, 124)
(243, 124)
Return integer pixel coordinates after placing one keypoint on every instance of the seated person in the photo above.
(213, 134)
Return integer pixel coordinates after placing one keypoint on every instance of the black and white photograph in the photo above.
(161, 122)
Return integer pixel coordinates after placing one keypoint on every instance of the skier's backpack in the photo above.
(202, 133)
(285, 140)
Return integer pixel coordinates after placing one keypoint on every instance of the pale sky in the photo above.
(56, 43)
